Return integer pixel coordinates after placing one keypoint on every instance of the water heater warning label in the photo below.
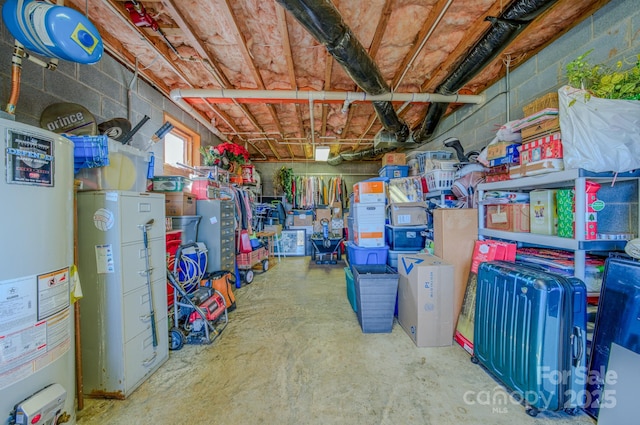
(35, 324)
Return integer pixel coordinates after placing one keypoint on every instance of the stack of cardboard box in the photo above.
(368, 211)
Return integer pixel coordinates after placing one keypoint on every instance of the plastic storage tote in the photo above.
(127, 170)
(394, 171)
(376, 291)
(351, 288)
(171, 184)
(392, 258)
(362, 255)
(406, 238)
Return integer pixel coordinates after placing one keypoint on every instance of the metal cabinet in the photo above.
(217, 230)
(117, 344)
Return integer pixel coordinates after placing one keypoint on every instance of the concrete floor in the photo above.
(293, 353)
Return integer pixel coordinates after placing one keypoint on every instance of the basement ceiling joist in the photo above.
(257, 45)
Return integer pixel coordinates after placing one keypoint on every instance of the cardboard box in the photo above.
(369, 237)
(394, 158)
(323, 213)
(535, 168)
(549, 100)
(547, 147)
(303, 218)
(508, 217)
(369, 192)
(543, 213)
(276, 228)
(565, 206)
(511, 156)
(499, 149)
(425, 299)
(336, 210)
(180, 203)
(454, 235)
(490, 250)
(408, 214)
(541, 129)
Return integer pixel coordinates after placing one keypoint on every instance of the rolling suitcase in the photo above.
(617, 324)
(530, 333)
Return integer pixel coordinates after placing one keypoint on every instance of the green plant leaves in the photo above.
(603, 82)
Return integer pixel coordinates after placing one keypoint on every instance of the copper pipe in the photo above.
(16, 71)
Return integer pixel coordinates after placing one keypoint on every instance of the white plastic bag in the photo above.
(599, 134)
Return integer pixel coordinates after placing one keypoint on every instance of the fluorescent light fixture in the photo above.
(322, 153)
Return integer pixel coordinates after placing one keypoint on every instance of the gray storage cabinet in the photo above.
(117, 349)
(217, 230)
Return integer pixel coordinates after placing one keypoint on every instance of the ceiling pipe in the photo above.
(326, 96)
(503, 30)
(198, 116)
(324, 23)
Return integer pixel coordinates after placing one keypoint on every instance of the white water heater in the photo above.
(36, 240)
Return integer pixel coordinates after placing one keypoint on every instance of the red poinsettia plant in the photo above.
(224, 154)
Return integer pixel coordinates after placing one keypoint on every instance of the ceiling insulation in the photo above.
(257, 45)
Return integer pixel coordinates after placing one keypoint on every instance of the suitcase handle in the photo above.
(576, 341)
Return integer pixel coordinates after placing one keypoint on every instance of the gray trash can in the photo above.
(189, 226)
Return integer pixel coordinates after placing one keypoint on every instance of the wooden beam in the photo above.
(159, 47)
(124, 55)
(286, 47)
(274, 114)
(327, 86)
(366, 130)
(381, 28)
(170, 31)
(242, 46)
(473, 34)
(246, 54)
(425, 32)
(196, 43)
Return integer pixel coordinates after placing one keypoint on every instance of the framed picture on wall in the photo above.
(293, 242)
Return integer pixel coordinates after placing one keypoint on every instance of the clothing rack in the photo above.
(313, 190)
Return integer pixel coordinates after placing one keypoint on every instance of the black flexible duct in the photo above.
(503, 30)
(324, 22)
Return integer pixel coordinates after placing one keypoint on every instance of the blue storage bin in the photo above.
(351, 288)
(405, 238)
(89, 151)
(362, 255)
(376, 292)
(394, 171)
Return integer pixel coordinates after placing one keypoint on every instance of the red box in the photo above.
(490, 250)
(547, 147)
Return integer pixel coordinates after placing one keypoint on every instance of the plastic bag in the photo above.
(505, 133)
(599, 134)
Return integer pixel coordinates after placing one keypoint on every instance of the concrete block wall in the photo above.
(613, 33)
(101, 88)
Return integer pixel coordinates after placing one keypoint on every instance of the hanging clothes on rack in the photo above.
(311, 191)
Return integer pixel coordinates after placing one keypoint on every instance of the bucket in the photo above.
(189, 226)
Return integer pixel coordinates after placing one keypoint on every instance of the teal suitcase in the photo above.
(530, 333)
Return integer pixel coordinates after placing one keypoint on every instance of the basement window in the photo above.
(181, 146)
